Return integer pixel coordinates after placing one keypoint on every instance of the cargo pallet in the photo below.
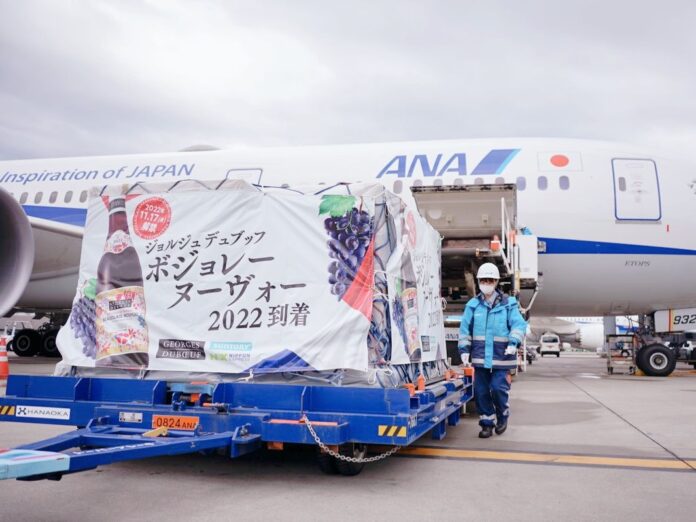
(125, 419)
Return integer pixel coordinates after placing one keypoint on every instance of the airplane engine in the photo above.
(591, 336)
(16, 251)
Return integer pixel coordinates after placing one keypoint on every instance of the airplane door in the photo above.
(636, 190)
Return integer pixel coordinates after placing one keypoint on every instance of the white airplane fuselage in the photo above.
(617, 223)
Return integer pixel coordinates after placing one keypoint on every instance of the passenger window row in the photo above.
(52, 197)
(542, 183)
(398, 187)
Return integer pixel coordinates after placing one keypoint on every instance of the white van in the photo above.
(550, 343)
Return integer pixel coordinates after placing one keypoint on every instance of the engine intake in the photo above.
(16, 251)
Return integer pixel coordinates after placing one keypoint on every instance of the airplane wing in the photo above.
(54, 227)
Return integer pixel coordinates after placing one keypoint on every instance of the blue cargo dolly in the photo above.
(125, 419)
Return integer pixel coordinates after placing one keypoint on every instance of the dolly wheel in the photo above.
(327, 463)
(358, 451)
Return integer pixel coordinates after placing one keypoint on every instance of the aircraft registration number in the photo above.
(685, 319)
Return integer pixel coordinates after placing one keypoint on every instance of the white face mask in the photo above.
(487, 289)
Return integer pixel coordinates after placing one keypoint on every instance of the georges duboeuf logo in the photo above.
(181, 349)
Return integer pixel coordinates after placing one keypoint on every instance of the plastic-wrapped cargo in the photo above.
(314, 284)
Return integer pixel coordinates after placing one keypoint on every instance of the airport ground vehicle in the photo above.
(28, 342)
(132, 419)
(122, 419)
(7, 335)
(620, 353)
(34, 335)
(685, 348)
(531, 354)
(550, 344)
(665, 338)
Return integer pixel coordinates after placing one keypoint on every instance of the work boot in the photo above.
(500, 428)
(486, 431)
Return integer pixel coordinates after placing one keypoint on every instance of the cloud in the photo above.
(104, 78)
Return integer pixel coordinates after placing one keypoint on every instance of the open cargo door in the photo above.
(478, 224)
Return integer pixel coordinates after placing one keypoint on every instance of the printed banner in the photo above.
(243, 280)
(414, 289)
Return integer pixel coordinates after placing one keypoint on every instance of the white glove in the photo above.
(511, 350)
(465, 359)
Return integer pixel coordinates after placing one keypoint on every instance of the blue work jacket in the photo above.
(486, 331)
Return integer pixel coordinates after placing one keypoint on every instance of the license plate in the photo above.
(174, 422)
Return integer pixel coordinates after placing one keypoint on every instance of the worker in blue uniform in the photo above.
(491, 329)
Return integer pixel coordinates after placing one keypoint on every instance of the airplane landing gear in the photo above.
(656, 360)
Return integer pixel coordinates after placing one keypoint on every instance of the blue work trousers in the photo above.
(492, 394)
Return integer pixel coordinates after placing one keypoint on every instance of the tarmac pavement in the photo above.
(581, 445)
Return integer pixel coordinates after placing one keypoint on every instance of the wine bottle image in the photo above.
(121, 331)
(409, 301)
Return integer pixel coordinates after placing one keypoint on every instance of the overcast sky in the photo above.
(110, 77)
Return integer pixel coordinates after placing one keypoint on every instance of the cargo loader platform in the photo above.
(123, 419)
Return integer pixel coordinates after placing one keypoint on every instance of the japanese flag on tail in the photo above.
(559, 161)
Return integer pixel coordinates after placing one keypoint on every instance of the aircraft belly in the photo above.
(614, 284)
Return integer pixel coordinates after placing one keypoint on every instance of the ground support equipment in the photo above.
(621, 354)
(123, 419)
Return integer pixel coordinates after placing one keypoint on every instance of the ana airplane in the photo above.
(585, 332)
(615, 223)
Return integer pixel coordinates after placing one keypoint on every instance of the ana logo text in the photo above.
(423, 165)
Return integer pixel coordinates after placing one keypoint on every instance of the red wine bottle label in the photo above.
(120, 323)
(118, 242)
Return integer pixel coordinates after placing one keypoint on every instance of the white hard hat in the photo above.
(488, 271)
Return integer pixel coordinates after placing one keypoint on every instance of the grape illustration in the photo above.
(349, 237)
(398, 315)
(82, 320)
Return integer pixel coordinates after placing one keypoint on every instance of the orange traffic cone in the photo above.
(4, 365)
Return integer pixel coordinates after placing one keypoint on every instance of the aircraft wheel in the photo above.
(27, 343)
(48, 344)
(656, 360)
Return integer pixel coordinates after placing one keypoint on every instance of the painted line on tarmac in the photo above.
(546, 458)
(687, 463)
